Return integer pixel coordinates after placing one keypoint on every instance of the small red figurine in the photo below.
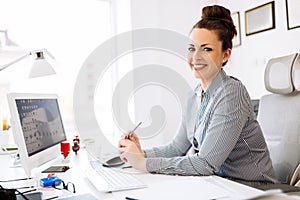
(76, 145)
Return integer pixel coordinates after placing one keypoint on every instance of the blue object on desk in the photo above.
(51, 181)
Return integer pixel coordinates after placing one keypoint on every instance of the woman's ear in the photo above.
(226, 55)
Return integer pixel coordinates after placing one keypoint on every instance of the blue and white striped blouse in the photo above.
(230, 140)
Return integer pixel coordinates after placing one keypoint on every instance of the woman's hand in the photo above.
(134, 138)
(131, 152)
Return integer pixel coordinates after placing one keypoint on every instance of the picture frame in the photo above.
(260, 18)
(292, 14)
(237, 41)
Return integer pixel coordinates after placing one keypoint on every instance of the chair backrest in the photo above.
(279, 114)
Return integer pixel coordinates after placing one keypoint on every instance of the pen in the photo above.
(130, 134)
(129, 198)
(52, 198)
(125, 167)
(136, 127)
(25, 187)
(29, 191)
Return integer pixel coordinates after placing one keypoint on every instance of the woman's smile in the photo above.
(199, 66)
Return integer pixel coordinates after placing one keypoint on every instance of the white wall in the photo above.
(178, 16)
(69, 29)
(247, 62)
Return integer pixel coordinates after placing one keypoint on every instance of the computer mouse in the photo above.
(113, 162)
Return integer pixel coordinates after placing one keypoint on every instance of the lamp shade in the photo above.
(40, 66)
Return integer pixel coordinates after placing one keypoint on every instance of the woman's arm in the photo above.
(228, 118)
(130, 149)
(177, 147)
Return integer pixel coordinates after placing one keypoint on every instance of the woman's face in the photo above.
(205, 56)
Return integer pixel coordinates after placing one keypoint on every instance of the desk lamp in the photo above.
(40, 66)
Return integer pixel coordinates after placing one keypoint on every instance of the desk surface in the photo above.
(158, 185)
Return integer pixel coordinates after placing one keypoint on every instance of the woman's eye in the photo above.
(191, 49)
(207, 49)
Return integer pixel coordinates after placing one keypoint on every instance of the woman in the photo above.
(218, 122)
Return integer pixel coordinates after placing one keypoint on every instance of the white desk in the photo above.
(160, 182)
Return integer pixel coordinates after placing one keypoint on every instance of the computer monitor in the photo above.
(37, 128)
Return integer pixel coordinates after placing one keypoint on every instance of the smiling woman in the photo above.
(205, 56)
(219, 128)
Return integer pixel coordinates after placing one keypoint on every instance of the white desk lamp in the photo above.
(40, 66)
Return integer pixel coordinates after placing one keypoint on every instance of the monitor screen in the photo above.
(37, 127)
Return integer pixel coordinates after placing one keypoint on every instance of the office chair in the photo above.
(279, 116)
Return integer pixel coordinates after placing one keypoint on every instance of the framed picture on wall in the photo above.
(293, 14)
(236, 20)
(261, 18)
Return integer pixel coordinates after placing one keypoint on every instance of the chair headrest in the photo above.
(296, 73)
(281, 76)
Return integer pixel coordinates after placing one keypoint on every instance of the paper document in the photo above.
(184, 188)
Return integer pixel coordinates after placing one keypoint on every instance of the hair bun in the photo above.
(216, 12)
(217, 18)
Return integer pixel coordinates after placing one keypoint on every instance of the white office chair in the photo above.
(279, 116)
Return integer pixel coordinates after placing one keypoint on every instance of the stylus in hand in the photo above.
(131, 132)
(136, 127)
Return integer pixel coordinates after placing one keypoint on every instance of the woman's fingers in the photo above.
(125, 143)
(126, 135)
(131, 136)
(122, 154)
(130, 151)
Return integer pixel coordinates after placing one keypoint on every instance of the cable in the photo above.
(22, 194)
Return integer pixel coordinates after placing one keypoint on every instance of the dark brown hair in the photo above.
(218, 19)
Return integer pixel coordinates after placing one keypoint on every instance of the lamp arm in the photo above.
(17, 60)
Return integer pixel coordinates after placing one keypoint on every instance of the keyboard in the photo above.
(109, 179)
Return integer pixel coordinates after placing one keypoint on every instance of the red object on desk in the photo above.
(65, 149)
(49, 175)
(76, 146)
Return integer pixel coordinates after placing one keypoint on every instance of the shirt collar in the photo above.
(215, 84)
